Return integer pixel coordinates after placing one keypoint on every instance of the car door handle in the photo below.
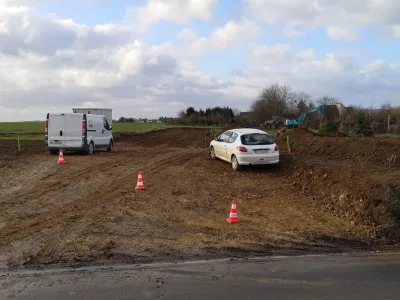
(102, 130)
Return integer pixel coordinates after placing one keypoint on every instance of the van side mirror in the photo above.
(110, 127)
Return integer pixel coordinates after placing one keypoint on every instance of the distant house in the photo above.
(245, 114)
(246, 119)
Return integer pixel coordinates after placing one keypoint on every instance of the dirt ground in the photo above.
(329, 195)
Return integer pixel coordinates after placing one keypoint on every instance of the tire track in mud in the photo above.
(89, 206)
(63, 179)
(54, 184)
(93, 217)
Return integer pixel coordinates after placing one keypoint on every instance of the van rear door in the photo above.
(56, 130)
(73, 130)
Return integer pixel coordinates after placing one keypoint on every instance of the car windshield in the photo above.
(256, 139)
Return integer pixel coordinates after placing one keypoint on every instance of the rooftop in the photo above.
(89, 108)
(248, 130)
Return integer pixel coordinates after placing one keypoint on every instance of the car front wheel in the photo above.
(212, 153)
(235, 164)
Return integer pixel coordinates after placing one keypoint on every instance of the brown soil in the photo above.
(88, 209)
(348, 176)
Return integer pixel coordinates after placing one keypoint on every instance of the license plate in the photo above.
(56, 142)
(261, 151)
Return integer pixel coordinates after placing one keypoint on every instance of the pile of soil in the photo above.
(375, 150)
(348, 176)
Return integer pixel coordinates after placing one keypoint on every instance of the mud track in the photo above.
(87, 210)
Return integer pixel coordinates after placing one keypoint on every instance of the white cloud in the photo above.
(271, 55)
(193, 46)
(177, 11)
(396, 31)
(352, 15)
(234, 32)
(51, 64)
(291, 31)
(341, 34)
(305, 55)
(130, 59)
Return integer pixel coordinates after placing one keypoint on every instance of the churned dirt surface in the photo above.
(87, 210)
(347, 176)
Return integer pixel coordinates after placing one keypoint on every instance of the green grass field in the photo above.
(35, 130)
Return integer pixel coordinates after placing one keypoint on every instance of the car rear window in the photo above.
(256, 139)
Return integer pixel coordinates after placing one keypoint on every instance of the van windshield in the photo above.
(256, 139)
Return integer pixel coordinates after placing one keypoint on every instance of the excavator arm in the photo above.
(304, 114)
(296, 123)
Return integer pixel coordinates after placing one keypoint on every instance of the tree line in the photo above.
(274, 100)
(210, 116)
(132, 120)
(283, 101)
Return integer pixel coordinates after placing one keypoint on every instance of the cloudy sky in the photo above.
(147, 58)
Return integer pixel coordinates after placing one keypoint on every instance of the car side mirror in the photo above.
(110, 127)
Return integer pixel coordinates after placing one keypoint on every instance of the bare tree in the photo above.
(327, 100)
(262, 110)
(182, 114)
(386, 107)
(302, 101)
(383, 112)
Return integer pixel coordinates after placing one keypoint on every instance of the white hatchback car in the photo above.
(245, 147)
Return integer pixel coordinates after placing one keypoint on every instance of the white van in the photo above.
(78, 132)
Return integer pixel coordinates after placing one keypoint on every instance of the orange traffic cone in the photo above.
(233, 215)
(61, 158)
(140, 185)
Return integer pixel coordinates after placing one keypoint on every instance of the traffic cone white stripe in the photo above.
(61, 158)
(233, 214)
(140, 185)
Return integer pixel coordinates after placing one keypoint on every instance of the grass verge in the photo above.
(33, 131)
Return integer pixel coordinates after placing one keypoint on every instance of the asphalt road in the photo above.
(313, 277)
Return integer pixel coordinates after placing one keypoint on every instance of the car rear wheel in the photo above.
(212, 153)
(235, 164)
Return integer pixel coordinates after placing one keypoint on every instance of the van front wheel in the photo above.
(110, 145)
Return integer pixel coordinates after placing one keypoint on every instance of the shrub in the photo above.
(363, 122)
(393, 203)
(327, 127)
